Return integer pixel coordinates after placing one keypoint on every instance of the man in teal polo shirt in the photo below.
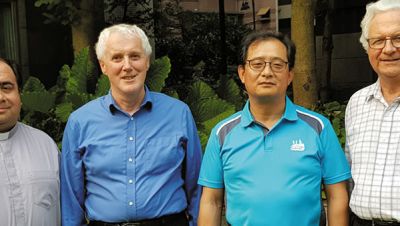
(271, 158)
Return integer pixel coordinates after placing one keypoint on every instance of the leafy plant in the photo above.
(335, 112)
(63, 11)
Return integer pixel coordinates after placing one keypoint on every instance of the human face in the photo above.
(125, 64)
(266, 85)
(386, 61)
(10, 102)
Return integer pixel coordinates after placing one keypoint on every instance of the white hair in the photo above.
(373, 9)
(126, 29)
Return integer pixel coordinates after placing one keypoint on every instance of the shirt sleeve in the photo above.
(72, 177)
(193, 161)
(335, 167)
(211, 172)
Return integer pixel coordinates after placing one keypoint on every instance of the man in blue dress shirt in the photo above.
(131, 157)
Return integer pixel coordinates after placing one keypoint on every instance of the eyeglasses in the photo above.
(380, 43)
(276, 65)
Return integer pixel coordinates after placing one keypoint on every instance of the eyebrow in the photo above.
(396, 34)
(6, 83)
(266, 58)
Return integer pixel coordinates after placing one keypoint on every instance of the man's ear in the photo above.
(102, 66)
(148, 63)
(291, 76)
(240, 71)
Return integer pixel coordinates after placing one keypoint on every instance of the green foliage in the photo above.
(41, 101)
(158, 72)
(48, 110)
(208, 108)
(196, 54)
(335, 112)
(61, 11)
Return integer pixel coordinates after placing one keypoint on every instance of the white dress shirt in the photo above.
(29, 182)
(373, 148)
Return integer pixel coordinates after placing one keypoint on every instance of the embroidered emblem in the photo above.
(297, 145)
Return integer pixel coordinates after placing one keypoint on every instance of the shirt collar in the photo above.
(374, 92)
(7, 135)
(289, 114)
(147, 102)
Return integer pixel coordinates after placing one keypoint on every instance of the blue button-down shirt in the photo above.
(117, 167)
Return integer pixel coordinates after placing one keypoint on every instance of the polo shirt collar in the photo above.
(289, 114)
(290, 110)
(247, 117)
(147, 102)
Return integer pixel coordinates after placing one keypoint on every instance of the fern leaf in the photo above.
(102, 87)
(41, 101)
(63, 111)
(231, 92)
(33, 84)
(79, 72)
(210, 123)
(77, 99)
(158, 72)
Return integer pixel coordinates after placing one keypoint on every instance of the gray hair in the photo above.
(373, 9)
(126, 29)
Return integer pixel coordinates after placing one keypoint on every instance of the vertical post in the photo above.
(224, 65)
(276, 16)
(254, 14)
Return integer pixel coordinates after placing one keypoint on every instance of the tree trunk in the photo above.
(85, 32)
(91, 21)
(325, 85)
(302, 25)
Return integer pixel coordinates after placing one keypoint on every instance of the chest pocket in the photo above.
(45, 197)
(162, 153)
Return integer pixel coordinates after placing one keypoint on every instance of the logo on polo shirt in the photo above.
(297, 145)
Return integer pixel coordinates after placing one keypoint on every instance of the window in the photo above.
(8, 33)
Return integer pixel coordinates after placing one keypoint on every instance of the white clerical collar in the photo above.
(4, 136)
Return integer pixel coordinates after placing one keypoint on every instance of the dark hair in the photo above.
(14, 69)
(256, 36)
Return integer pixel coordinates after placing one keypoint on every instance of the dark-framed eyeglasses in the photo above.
(380, 43)
(276, 65)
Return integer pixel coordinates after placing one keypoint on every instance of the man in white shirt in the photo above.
(373, 122)
(29, 182)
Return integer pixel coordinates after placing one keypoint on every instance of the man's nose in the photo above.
(267, 71)
(127, 63)
(389, 47)
(2, 96)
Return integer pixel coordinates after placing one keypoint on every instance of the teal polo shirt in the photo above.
(273, 177)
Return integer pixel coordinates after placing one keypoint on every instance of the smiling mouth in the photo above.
(390, 60)
(4, 109)
(129, 77)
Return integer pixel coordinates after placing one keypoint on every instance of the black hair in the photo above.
(14, 69)
(266, 35)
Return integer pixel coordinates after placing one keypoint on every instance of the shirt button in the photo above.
(131, 118)
(130, 203)
(130, 138)
(130, 160)
(130, 181)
